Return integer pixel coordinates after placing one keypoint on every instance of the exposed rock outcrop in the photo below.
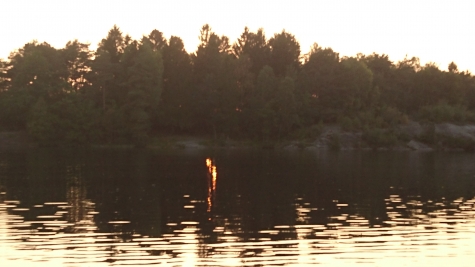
(415, 145)
(411, 136)
(456, 131)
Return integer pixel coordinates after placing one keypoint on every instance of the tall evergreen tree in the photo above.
(77, 58)
(255, 47)
(213, 67)
(316, 80)
(285, 53)
(178, 95)
(107, 75)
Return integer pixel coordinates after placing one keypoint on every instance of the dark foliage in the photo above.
(255, 88)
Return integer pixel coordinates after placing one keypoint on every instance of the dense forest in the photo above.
(256, 88)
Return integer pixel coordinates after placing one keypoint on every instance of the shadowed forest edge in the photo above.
(256, 89)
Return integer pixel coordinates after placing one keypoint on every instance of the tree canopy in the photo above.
(255, 88)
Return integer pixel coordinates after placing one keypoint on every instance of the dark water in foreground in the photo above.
(236, 208)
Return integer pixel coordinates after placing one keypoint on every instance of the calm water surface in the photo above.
(236, 208)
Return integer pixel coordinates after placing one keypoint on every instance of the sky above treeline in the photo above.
(435, 31)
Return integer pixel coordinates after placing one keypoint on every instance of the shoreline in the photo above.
(412, 136)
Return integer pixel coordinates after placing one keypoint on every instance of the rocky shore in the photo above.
(413, 136)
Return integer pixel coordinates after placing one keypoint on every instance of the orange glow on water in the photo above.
(208, 163)
(213, 175)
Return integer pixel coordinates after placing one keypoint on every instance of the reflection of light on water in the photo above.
(3, 231)
(411, 235)
(188, 240)
(212, 183)
(80, 209)
(59, 233)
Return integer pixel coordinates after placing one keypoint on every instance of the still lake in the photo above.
(108, 207)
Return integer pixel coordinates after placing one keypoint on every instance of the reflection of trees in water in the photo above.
(81, 209)
(3, 193)
(203, 221)
(224, 218)
(3, 168)
(274, 209)
(3, 190)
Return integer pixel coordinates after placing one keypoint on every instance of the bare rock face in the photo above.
(190, 144)
(456, 131)
(444, 136)
(411, 129)
(414, 145)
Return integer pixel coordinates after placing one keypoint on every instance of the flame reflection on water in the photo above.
(413, 232)
(212, 178)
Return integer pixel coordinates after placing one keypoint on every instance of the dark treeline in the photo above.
(255, 88)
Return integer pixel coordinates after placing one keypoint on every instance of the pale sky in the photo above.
(435, 31)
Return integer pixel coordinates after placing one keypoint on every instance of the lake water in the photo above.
(109, 207)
